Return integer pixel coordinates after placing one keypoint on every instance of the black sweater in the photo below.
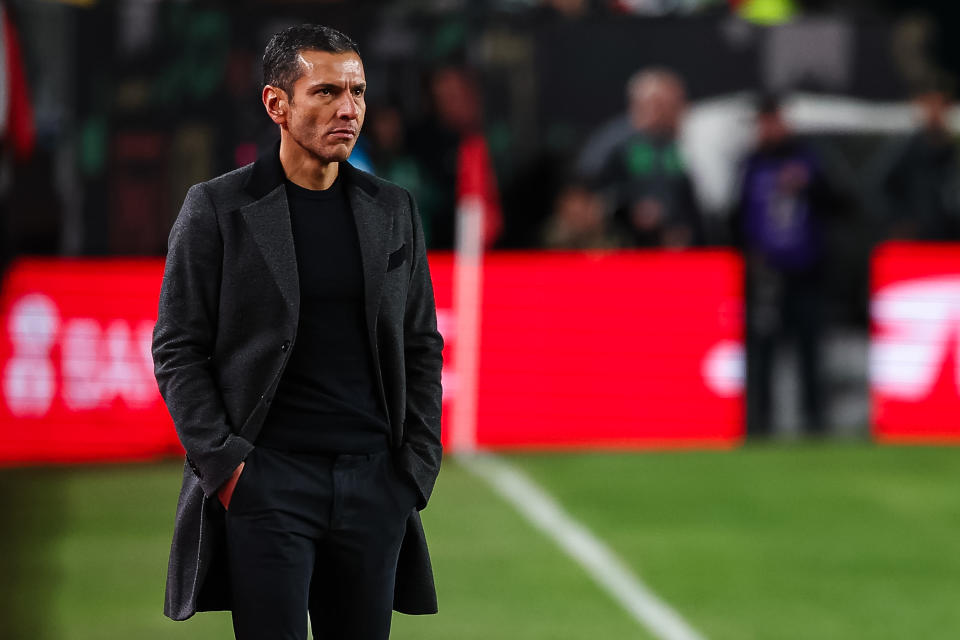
(327, 399)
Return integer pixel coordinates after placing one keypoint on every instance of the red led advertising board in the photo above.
(576, 350)
(77, 376)
(607, 350)
(915, 337)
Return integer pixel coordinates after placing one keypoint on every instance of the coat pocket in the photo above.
(397, 258)
(240, 489)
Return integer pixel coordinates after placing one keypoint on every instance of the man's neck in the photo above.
(305, 170)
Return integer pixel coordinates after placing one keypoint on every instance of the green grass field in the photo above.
(778, 542)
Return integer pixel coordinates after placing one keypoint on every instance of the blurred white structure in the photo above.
(717, 133)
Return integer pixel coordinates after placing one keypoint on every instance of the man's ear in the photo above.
(276, 104)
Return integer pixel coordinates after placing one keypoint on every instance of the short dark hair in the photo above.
(281, 68)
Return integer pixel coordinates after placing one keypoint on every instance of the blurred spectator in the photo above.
(919, 176)
(663, 7)
(17, 131)
(548, 9)
(778, 223)
(568, 8)
(385, 131)
(766, 12)
(451, 148)
(637, 164)
(578, 221)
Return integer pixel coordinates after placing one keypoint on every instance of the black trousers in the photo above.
(779, 306)
(318, 534)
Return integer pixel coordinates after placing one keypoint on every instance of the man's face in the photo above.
(657, 106)
(771, 128)
(934, 107)
(326, 105)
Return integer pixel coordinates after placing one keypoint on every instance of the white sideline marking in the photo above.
(537, 506)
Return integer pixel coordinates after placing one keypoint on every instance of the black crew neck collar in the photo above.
(333, 191)
(266, 174)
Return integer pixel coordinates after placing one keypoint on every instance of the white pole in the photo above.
(467, 286)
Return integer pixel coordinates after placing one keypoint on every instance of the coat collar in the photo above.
(268, 217)
(267, 174)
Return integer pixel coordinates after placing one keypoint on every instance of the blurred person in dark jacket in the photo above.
(578, 221)
(451, 147)
(920, 176)
(778, 224)
(391, 158)
(17, 127)
(637, 164)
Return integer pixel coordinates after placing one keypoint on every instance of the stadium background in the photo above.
(112, 109)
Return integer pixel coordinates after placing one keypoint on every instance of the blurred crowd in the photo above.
(566, 118)
(571, 122)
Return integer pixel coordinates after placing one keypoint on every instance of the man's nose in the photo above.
(348, 109)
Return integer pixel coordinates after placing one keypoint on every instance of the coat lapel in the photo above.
(269, 222)
(374, 225)
(268, 219)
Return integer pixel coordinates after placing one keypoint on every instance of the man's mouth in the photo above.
(343, 133)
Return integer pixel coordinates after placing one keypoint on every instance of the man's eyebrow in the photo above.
(335, 85)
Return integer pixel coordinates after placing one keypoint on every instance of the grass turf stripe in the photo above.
(544, 513)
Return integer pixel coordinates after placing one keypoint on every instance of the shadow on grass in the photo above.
(31, 522)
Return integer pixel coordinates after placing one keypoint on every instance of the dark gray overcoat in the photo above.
(228, 317)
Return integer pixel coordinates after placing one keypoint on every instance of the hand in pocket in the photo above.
(225, 492)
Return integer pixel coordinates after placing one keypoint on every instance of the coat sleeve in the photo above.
(421, 450)
(183, 343)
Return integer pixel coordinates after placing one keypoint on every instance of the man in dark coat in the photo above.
(785, 199)
(920, 176)
(297, 351)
